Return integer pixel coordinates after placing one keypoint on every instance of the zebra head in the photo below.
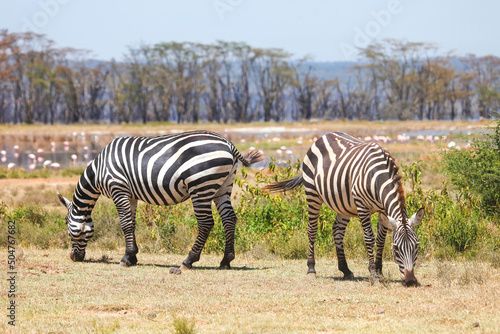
(405, 244)
(80, 229)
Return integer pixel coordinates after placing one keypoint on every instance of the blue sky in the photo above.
(325, 30)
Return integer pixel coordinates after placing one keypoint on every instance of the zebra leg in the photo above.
(381, 234)
(369, 239)
(203, 211)
(339, 227)
(126, 208)
(312, 230)
(229, 219)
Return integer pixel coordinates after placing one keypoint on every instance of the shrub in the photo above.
(475, 172)
(35, 226)
(448, 226)
(166, 228)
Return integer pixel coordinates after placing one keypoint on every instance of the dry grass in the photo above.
(36, 191)
(257, 296)
(353, 127)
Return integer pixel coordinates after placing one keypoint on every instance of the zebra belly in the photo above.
(349, 210)
(164, 197)
(339, 199)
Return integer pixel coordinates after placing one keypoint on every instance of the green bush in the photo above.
(475, 172)
(166, 228)
(449, 227)
(35, 226)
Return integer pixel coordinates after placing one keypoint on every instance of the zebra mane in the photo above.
(398, 183)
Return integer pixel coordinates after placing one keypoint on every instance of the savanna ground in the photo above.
(256, 296)
(263, 293)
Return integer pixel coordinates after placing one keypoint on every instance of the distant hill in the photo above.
(330, 70)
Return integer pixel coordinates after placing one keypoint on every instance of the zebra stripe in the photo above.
(357, 179)
(163, 170)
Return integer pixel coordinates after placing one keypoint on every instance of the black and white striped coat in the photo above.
(163, 170)
(355, 178)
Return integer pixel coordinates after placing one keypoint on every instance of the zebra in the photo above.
(162, 170)
(355, 178)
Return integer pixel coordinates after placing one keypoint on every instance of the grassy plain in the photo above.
(56, 295)
(263, 293)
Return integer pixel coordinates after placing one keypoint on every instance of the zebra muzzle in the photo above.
(409, 278)
(77, 256)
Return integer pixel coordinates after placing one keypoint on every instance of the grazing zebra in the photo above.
(354, 178)
(163, 170)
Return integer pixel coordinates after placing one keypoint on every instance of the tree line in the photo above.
(234, 82)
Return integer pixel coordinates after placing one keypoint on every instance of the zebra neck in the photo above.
(395, 208)
(86, 193)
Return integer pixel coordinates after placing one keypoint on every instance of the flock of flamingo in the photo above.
(37, 159)
(285, 153)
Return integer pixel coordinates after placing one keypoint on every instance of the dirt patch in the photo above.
(44, 269)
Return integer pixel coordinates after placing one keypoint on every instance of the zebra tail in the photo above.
(251, 158)
(289, 184)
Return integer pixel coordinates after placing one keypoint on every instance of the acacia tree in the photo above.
(239, 92)
(395, 64)
(486, 72)
(182, 60)
(364, 94)
(272, 75)
(304, 86)
(118, 100)
(8, 47)
(140, 68)
(212, 63)
(312, 96)
(33, 62)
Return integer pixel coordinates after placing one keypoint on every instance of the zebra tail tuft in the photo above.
(289, 184)
(252, 157)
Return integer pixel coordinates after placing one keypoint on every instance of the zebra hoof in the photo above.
(185, 267)
(128, 261)
(225, 267)
(311, 275)
(133, 260)
(76, 256)
(175, 271)
(348, 277)
(374, 280)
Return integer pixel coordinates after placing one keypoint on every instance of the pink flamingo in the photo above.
(86, 153)
(74, 157)
(4, 155)
(55, 165)
(16, 151)
(40, 157)
(32, 164)
(11, 166)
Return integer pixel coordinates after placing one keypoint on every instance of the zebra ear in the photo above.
(64, 201)
(416, 218)
(387, 221)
